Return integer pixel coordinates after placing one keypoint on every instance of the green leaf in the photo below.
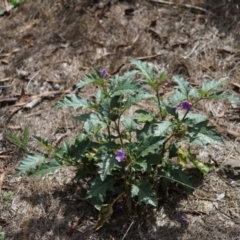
(146, 70)
(118, 80)
(141, 164)
(106, 165)
(173, 151)
(111, 108)
(128, 87)
(74, 101)
(143, 116)
(50, 167)
(150, 145)
(99, 188)
(195, 117)
(204, 168)
(203, 135)
(43, 142)
(145, 132)
(95, 78)
(171, 111)
(25, 136)
(30, 163)
(79, 148)
(85, 116)
(20, 142)
(163, 128)
(134, 99)
(183, 85)
(153, 159)
(213, 85)
(194, 94)
(105, 213)
(177, 98)
(94, 124)
(177, 174)
(162, 76)
(2, 235)
(222, 95)
(16, 3)
(129, 124)
(143, 190)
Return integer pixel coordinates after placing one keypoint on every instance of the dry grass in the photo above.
(68, 38)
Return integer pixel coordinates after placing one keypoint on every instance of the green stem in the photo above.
(159, 103)
(118, 131)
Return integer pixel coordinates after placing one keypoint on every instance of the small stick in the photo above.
(128, 230)
(32, 78)
(183, 5)
(6, 5)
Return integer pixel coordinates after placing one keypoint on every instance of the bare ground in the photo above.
(45, 49)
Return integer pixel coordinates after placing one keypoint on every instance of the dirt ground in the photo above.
(45, 49)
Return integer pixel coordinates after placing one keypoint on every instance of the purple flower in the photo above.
(103, 73)
(120, 156)
(186, 105)
(184, 219)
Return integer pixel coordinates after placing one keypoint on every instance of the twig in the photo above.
(32, 78)
(128, 230)
(183, 5)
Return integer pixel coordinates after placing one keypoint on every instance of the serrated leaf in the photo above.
(183, 85)
(177, 98)
(25, 136)
(194, 94)
(129, 124)
(128, 87)
(95, 78)
(141, 164)
(30, 163)
(43, 142)
(162, 128)
(222, 95)
(74, 101)
(196, 117)
(213, 85)
(84, 117)
(145, 132)
(143, 190)
(134, 99)
(111, 107)
(106, 165)
(150, 145)
(146, 70)
(50, 167)
(98, 187)
(176, 174)
(204, 135)
(117, 80)
(105, 213)
(204, 168)
(143, 116)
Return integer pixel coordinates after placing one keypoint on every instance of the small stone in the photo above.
(231, 169)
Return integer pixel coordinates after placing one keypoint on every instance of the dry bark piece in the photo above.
(4, 61)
